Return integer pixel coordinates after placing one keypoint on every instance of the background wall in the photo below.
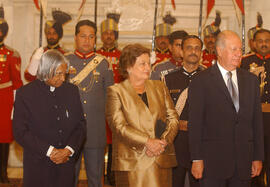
(136, 24)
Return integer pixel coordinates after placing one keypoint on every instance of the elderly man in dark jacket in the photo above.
(49, 124)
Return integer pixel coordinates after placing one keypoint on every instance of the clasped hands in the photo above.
(60, 156)
(155, 147)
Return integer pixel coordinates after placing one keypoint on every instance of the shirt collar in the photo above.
(225, 77)
(52, 88)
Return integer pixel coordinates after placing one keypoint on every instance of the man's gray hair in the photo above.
(49, 62)
(221, 40)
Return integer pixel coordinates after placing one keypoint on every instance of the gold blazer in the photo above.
(132, 123)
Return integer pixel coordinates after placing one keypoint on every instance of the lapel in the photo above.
(220, 83)
(151, 96)
(241, 88)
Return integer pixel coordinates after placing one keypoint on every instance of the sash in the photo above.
(85, 71)
(181, 101)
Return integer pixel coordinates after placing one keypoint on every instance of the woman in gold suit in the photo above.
(143, 121)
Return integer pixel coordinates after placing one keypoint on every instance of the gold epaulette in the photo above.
(65, 51)
(105, 58)
(15, 53)
(68, 53)
(248, 54)
(202, 67)
(162, 62)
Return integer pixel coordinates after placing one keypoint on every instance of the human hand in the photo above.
(59, 156)
(156, 146)
(149, 153)
(256, 168)
(197, 169)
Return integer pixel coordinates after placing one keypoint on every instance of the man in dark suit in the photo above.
(225, 120)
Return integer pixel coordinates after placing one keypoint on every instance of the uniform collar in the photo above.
(162, 51)
(263, 57)
(190, 73)
(109, 49)
(84, 56)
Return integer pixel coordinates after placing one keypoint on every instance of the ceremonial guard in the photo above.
(175, 61)
(259, 64)
(53, 32)
(10, 80)
(92, 74)
(109, 36)
(163, 31)
(252, 31)
(177, 83)
(210, 33)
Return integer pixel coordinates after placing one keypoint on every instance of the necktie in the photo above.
(233, 91)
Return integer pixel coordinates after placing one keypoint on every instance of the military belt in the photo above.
(5, 85)
(265, 107)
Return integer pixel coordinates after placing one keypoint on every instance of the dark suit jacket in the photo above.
(225, 140)
(43, 118)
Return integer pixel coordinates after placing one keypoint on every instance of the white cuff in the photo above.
(71, 150)
(49, 151)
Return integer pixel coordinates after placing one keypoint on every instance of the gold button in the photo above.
(84, 89)
(265, 82)
(84, 102)
(266, 92)
(84, 115)
(8, 53)
(264, 62)
(266, 102)
(84, 63)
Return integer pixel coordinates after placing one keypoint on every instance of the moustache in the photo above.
(193, 55)
(162, 43)
(264, 47)
(211, 42)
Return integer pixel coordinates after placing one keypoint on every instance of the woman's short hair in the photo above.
(49, 62)
(129, 55)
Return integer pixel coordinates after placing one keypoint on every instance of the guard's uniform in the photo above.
(30, 77)
(254, 60)
(112, 56)
(93, 95)
(177, 82)
(208, 59)
(10, 80)
(162, 55)
(163, 68)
